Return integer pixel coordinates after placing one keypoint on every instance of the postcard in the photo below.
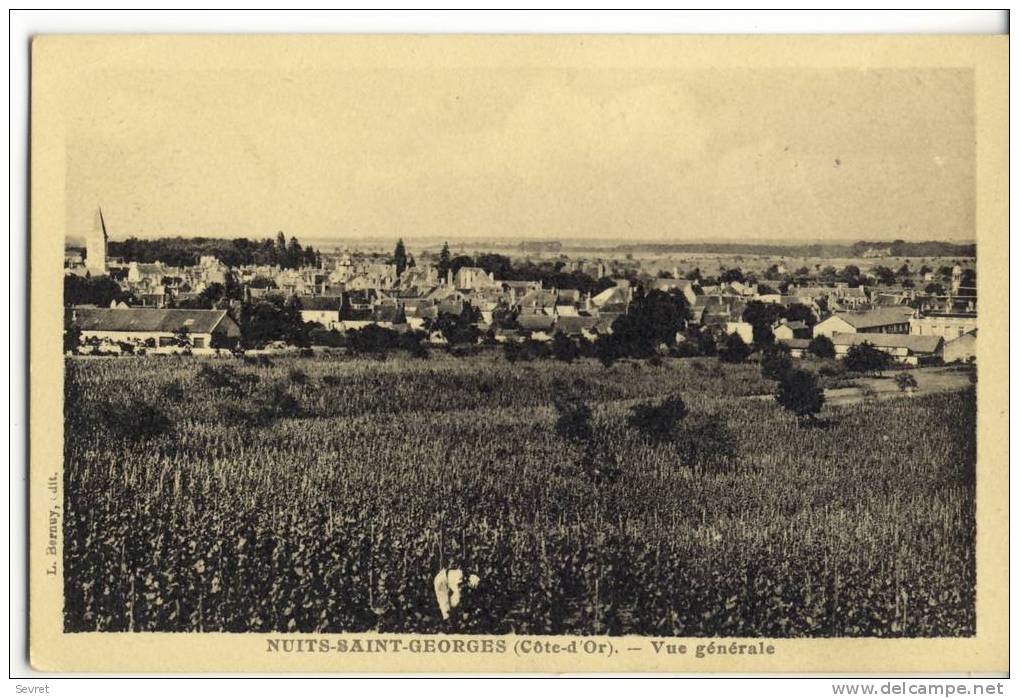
(565, 353)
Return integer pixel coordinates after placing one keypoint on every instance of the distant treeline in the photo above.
(551, 274)
(897, 248)
(185, 252)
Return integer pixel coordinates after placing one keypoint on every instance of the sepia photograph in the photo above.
(470, 340)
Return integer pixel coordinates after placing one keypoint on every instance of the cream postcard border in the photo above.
(59, 60)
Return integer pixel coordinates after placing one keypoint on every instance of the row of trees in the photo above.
(186, 252)
(551, 274)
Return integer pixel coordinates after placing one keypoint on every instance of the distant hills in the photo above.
(897, 248)
(774, 248)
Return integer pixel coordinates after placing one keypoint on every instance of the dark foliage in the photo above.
(185, 252)
(659, 422)
(705, 443)
(100, 291)
(775, 364)
(866, 358)
(564, 348)
(821, 347)
(272, 320)
(733, 350)
(799, 393)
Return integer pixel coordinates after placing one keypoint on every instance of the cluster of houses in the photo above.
(349, 292)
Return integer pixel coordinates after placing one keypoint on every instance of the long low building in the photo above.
(877, 321)
(161, 326)
(910, 349)
(946, 325)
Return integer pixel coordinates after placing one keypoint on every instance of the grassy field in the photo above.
(323, 494)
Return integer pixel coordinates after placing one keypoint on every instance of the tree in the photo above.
(606, 349)
(400, 257)
(459, 329)
(730, 275)
(704, 442)
(281, 248)
(763, 336)
(799, 393)
(733, 349)
(762, 316)
(800, 312)
(821, 347)
(934, 289)
(564, 348)
(884, 275)
(272, 320)
(850, 273)
(100, 291)
(775, 364)
(653, 318)
(443, 265)
(294, 254)
(865, 358)
(209, 298)
(72, 339)
(658, 422)
(905, 381)
(504, 317)
(574, 422)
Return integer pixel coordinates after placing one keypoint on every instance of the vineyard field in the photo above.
(323, 494)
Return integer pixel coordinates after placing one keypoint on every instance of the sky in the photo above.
(664, 153)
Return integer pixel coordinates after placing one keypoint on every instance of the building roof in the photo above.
(145, 319)
(878, 317)
(795, 343)
(967, 336)
(613, 295)
(321, 302)
(575, 324)
(535, 321)
(915, 343)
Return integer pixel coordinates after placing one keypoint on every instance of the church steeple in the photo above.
(95, 246)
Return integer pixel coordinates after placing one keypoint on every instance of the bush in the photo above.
(574, 423)
(321, 337)
(658, 422)
(138, 421)
(280, 403)
(775, 364)
(705, 443)
(607, 350)
(865, 358)
(734, 350)
(905, 381)
(799, 393)
(226, 378)
(821, 347)
(514, 351)
(536, 349)
(564, 348)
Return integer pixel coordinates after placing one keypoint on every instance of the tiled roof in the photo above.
(321, 302)
(145, 319)
(877, 317)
